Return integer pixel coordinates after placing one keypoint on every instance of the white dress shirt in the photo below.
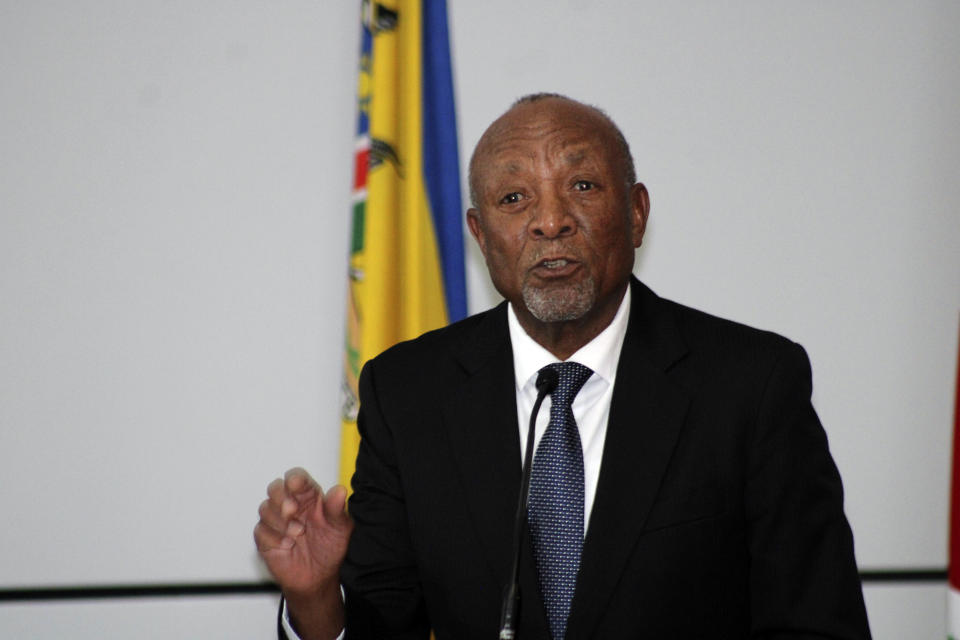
(591, 407)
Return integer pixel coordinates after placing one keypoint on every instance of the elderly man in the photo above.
(681, 487)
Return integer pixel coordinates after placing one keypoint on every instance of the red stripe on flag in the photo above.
(954, 571)
(361, 162)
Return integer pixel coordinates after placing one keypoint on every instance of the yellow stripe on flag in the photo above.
(396, 283)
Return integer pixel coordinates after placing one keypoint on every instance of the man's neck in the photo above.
(565, 338)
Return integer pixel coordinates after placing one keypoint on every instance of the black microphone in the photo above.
(546, 382)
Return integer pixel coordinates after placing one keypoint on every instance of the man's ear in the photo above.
(639, 211)
(476, 229)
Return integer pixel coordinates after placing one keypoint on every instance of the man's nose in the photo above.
(551, 217)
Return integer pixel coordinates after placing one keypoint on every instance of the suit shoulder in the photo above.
(722, 353)
(417, 372)
(705, 331)
(442, 343)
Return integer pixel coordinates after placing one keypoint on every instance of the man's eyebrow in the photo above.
(575, 157)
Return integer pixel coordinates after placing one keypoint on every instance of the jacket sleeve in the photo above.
(804, 581)
(383, 596)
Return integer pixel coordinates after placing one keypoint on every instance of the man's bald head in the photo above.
(504, 122)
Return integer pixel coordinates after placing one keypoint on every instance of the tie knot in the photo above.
(572, 376)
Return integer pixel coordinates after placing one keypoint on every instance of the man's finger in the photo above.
(271, 516)
(276, 490)
(269, 540)
(300, 484)
(279, 511)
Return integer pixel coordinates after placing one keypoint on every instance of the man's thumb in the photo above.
(335, 506)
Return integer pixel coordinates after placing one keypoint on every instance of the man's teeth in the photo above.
(554, 264)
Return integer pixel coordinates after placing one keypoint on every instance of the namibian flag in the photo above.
(406, 249)
(953, 593)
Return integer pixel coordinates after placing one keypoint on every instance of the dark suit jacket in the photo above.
(718, 514)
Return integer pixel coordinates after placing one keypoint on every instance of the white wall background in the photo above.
(174, 191)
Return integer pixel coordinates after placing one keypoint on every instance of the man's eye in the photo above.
(583, 185)
(511, 198)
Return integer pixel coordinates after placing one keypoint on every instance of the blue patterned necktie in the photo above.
(555, 511)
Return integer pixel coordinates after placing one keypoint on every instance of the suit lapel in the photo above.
(481, 420)
(646, 415)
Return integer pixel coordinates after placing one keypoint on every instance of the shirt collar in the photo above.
(600, 354)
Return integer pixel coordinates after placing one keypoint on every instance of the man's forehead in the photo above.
(545, 125)
(513, 158)
(560, 130)
(551, 122)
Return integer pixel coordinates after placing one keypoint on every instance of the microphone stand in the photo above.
(546, 382)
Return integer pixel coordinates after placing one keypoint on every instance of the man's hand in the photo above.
(302, 537)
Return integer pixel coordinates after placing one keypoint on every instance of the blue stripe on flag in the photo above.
(366, 55)
(441, 164)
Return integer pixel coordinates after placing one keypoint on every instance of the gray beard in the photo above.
(562, 303)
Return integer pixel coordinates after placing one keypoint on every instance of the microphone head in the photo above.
(547, 380)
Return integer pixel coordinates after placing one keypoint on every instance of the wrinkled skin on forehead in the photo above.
(556, 219)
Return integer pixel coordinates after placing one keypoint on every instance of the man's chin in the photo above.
(559, 304)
